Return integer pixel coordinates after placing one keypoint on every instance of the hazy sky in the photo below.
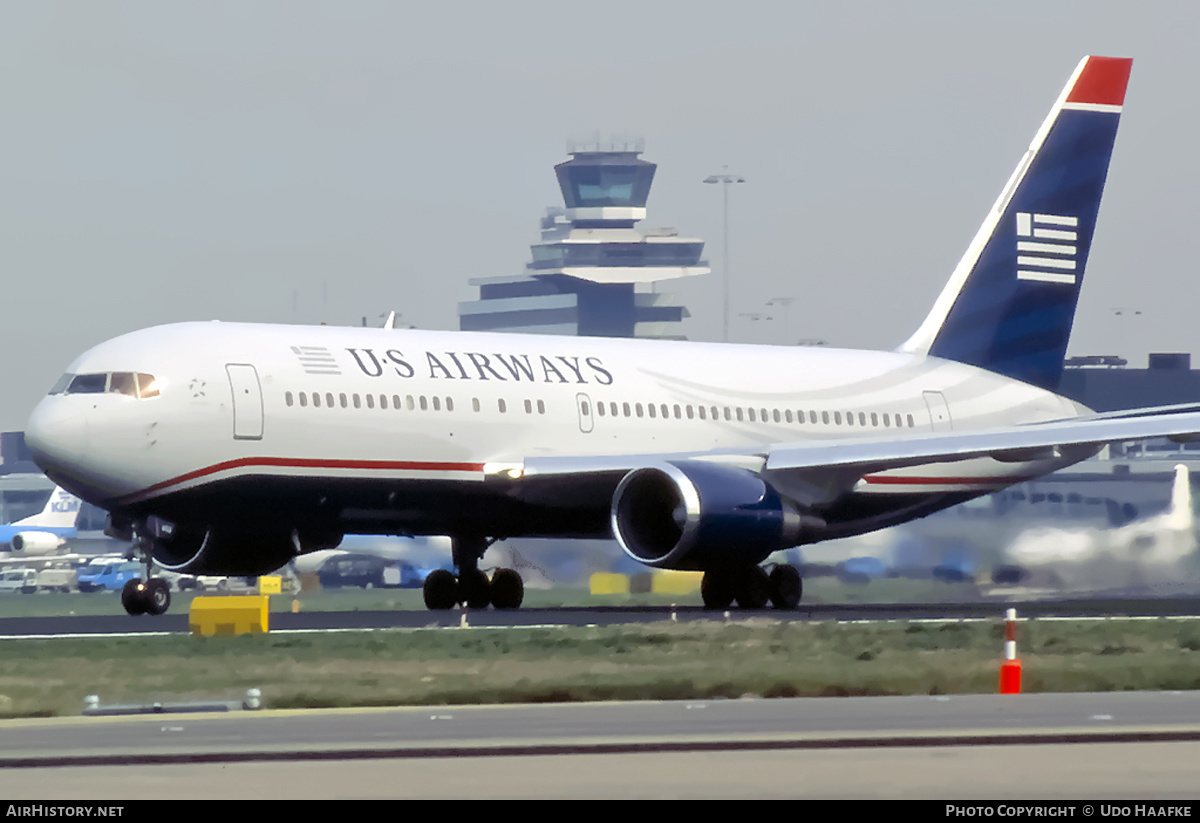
(303, 162)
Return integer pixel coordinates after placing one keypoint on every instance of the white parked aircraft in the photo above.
(229, 448)
(1156, 551)
(45, 533)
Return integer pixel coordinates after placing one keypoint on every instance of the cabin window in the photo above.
(287, 398)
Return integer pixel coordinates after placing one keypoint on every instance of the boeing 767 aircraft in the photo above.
(230, 448)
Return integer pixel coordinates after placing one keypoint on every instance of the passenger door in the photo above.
(247, 401)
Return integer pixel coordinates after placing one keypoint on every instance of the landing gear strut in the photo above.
(752, 587)
(443, 590)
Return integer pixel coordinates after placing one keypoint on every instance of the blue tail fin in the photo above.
(1009, 305)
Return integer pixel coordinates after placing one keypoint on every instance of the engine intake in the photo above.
(693, 515)
(36, 544)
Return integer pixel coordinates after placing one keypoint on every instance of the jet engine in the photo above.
(695, 515)
(37, 544)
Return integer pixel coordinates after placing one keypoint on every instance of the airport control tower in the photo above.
(594, 273)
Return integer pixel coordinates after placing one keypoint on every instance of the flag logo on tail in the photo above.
(1049, 253)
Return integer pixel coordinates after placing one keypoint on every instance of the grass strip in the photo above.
(666, 660)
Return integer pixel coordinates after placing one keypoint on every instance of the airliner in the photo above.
(230, 448)
(44, 533)
(1155, 551)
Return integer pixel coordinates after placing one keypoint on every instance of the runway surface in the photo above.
(1075, 746)
(119, 623)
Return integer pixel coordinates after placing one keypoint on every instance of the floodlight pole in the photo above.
(725, 180)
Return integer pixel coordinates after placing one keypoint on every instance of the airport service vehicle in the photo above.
(111, 576)
(15, 580)
(367, 571)
(231, 448)
(56, 577)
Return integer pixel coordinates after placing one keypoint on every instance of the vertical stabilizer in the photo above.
(1180, 517)
(61, 511)
(1010, 302)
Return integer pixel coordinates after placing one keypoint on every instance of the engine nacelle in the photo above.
(234, 552)
(695, 515)
(37, 544)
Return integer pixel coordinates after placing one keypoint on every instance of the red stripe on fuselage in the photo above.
(308, 463)
(944, 481)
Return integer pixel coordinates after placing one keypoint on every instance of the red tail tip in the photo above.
(1102, 81)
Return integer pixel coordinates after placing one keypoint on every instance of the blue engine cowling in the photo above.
(689, 514)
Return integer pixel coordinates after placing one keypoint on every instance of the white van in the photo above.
(15, 580)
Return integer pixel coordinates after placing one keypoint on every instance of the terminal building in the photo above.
(594, 273)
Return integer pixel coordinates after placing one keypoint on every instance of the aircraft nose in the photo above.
(57, 433)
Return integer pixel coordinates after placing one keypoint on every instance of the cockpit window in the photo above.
(63, 382)
(147, 386)
(88, 384)
(123, 382)
(118, 382)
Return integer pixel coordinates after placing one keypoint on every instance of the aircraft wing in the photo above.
(872, 454)
(39, 560)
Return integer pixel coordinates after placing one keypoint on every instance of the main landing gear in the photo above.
(444, 590)
(752, 587)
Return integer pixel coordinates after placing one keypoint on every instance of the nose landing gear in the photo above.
(150, 597)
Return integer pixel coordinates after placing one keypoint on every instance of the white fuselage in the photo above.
(390, 408)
